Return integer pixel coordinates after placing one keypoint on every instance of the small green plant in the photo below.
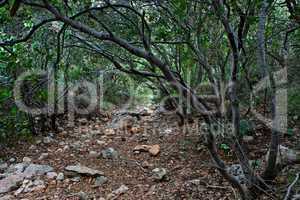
(224, 147)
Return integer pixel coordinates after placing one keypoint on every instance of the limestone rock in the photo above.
(159, 173)
(83, 170)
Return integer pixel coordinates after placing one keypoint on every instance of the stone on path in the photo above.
(11, 183)
(60, 177)
(152, 149)
(159, 173)
(100, 181)
(26, 160)
(37, 170)
(3, 167)
(83, 170)
(43, 156)
(17, 173)
(109, 153)
(7, 197)
(51, 175)
(116, 193)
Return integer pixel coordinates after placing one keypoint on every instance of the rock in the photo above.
(140, 148)
(121, 190)
(135, 130)
(248, 138)
(43, 156)
(100, 142)
(51, 135)
(7, 197)
(36, 170)
(76, 179)
(159, 173)
(109, 132)
(30, 186)
(93, 154)
(17, 169)
(59, 150)
(26, 160)
(21, 189)
(47, 140)
(51, 175)
(100, 180)
(146, 164)
(11, 183)
(66, 148)
(82, 196)
(167, 132)
(32, 147)
(3, 167)
(76, 145)
(82, 170)
(109, 153)
(152, 149)
(12, 160)
(60, 177)
(194, 182)
(237, 171)
(38, 141)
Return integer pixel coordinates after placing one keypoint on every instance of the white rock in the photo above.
(66, 148)
(47, 140)
(3, 166)
(43, 156)
(26, 160)
(93, 154)
(79, 169)
(100, 142)
(159, 173)
(7, 197)
(51, 175)
(60, 177)
(121, 190)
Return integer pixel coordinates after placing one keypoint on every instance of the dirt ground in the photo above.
(190, 174)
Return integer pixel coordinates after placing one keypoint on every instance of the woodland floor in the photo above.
(189, 176)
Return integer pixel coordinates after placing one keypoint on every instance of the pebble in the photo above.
(93, 154)
(159, 173)
(109, 153)
(51, 175)
(43, 156)
(76, 179)
(100, 180)
(60, 176)
(47, 140)
(26, 160)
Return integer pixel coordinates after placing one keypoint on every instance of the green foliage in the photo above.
(246, 127)
(224, 147)
(293, 101)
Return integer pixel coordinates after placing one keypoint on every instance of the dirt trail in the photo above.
(108, 145)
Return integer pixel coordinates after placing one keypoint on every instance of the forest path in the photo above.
(144, 157)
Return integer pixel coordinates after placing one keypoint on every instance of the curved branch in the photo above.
(28, 35)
